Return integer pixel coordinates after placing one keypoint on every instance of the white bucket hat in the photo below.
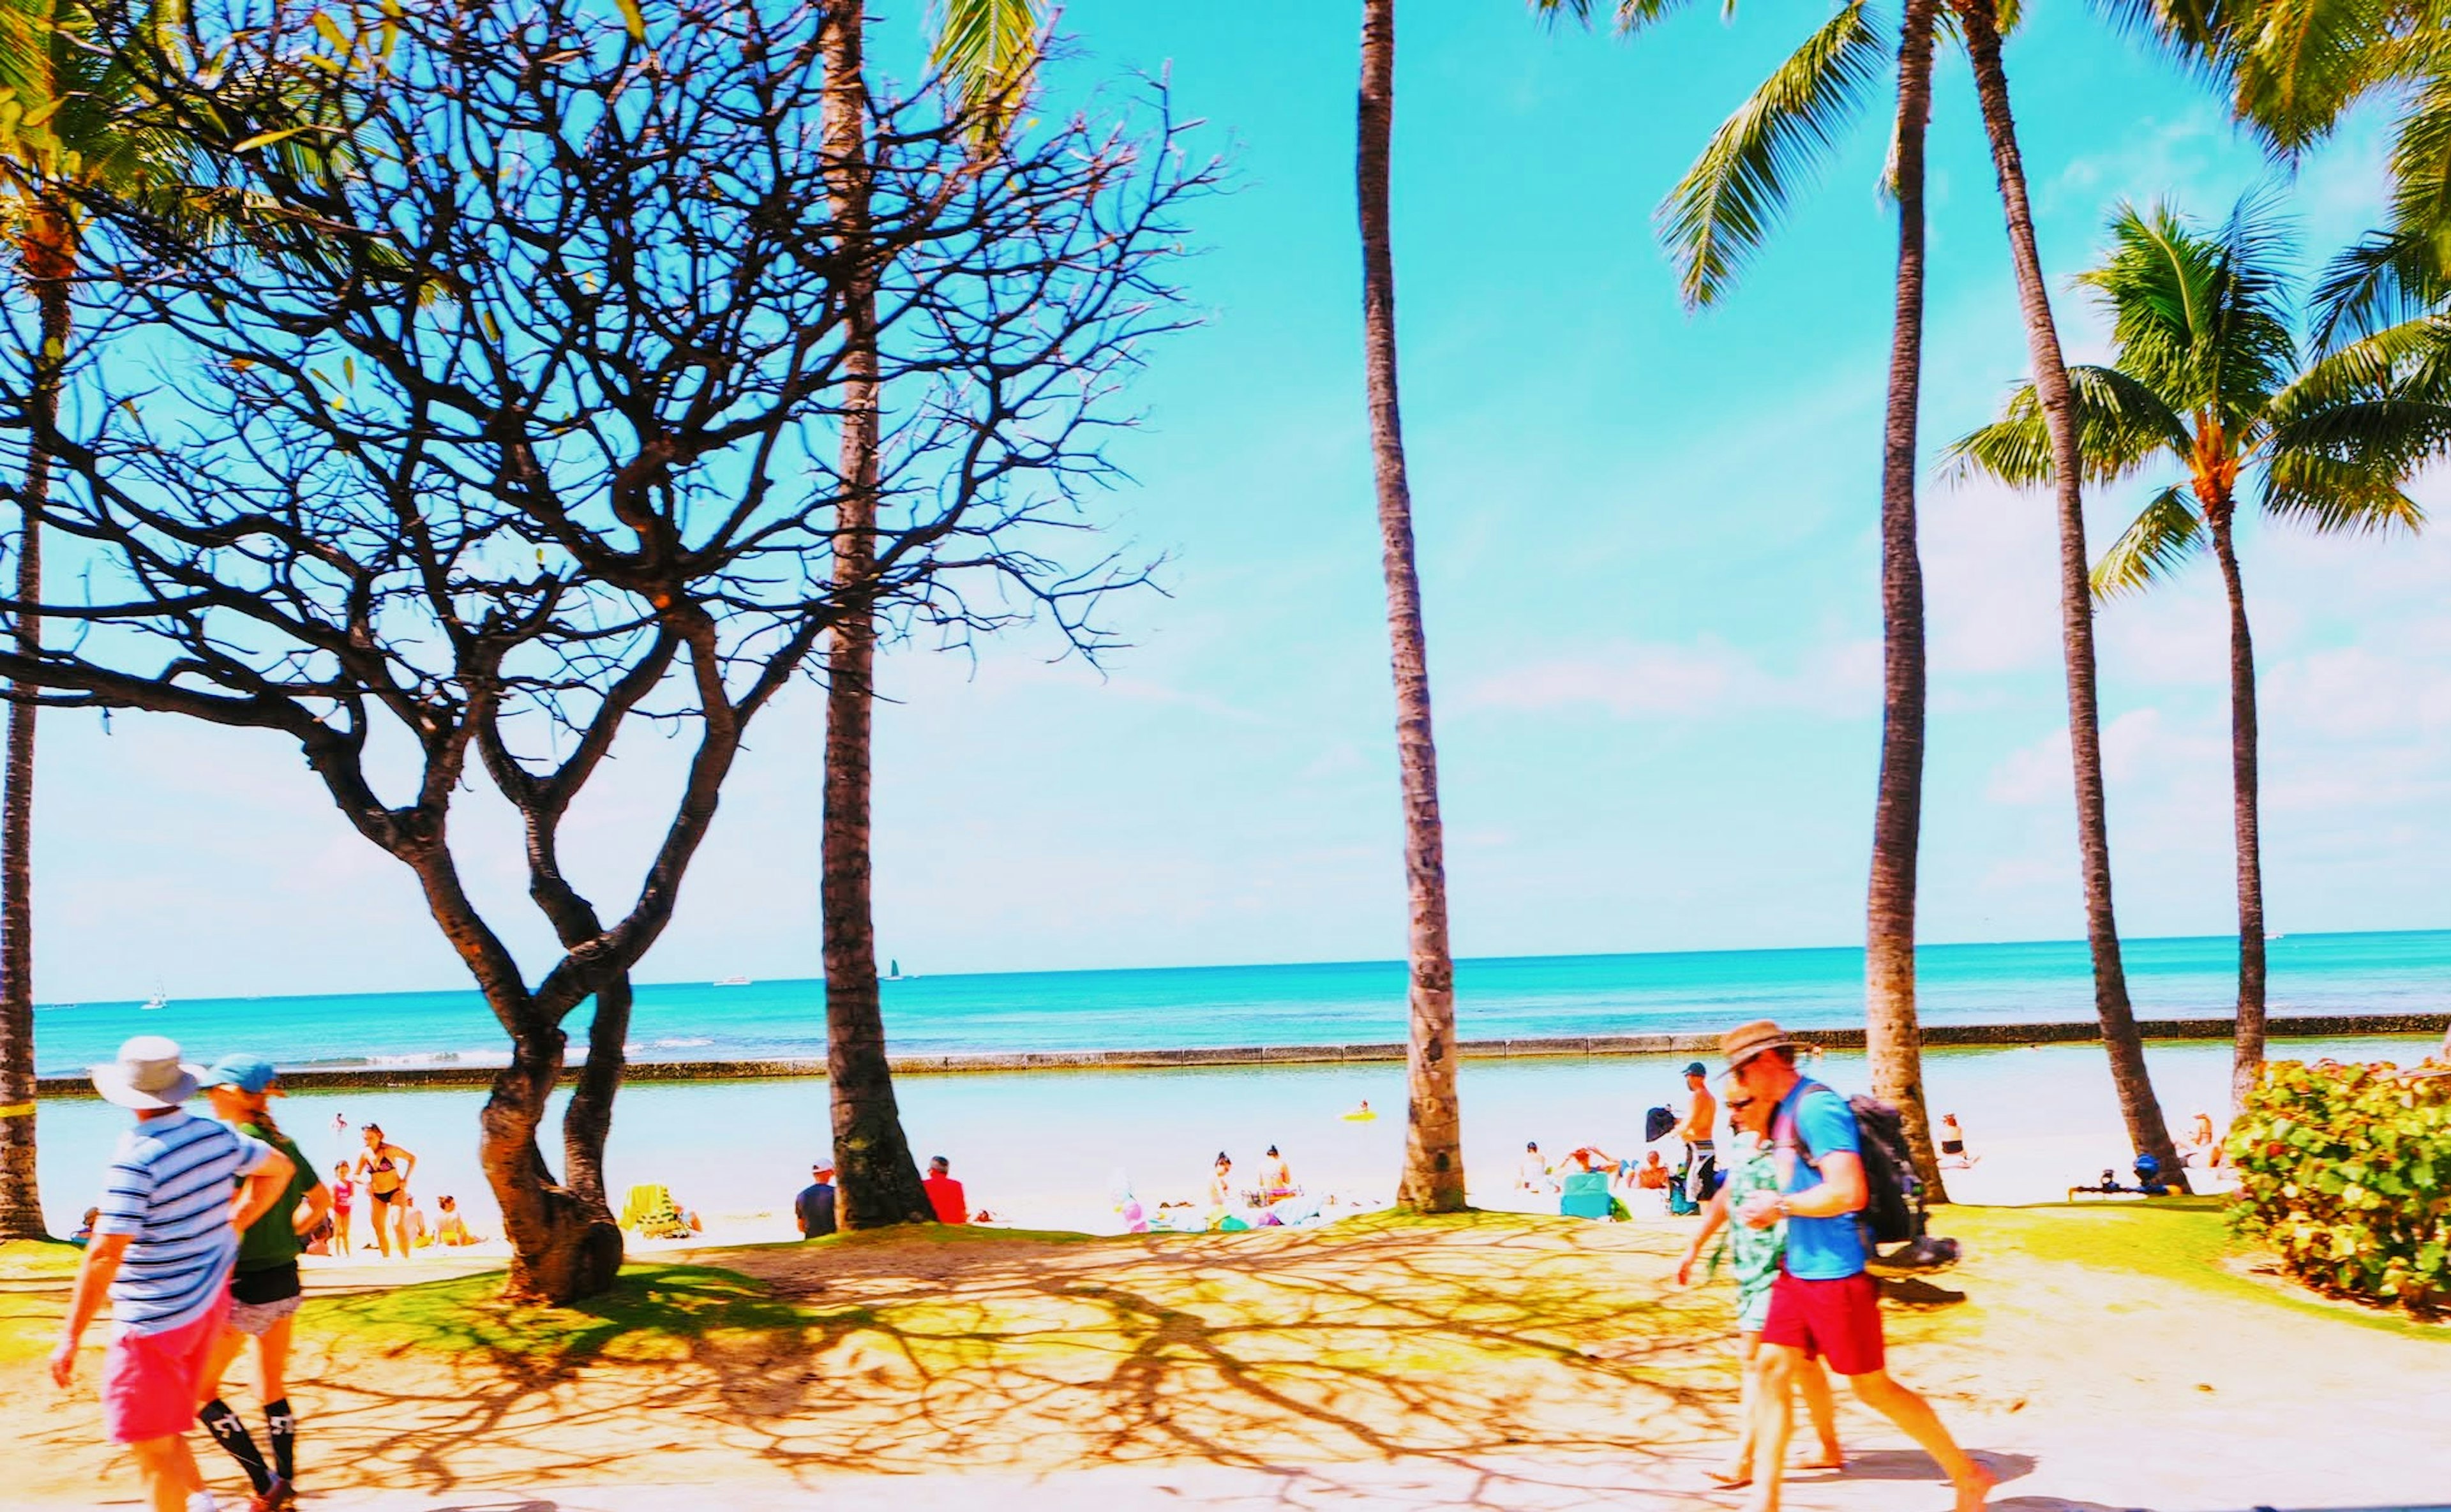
(147, 1074)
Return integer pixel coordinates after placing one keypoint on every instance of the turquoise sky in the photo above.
(1648, 550)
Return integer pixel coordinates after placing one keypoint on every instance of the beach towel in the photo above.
(1656, 1125)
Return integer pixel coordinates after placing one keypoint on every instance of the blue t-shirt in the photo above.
(1813, 1123)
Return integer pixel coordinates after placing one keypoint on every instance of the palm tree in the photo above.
(878, 1179)
(1433, 1174)
(64, 129)
(1717, 216)
(2148, 1131)
(2206, 380)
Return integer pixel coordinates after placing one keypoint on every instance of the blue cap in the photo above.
(248, 1073)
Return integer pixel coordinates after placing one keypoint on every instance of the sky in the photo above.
(1649, 558)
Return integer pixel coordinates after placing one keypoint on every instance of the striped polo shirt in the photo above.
(170, 1190)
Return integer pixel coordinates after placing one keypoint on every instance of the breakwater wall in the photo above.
(2331, 1026)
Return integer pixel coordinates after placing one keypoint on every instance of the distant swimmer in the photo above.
(1362, 1114)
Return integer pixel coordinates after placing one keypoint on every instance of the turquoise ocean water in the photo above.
(1322, 1004)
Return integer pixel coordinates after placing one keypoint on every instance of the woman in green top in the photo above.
(1756, 1254)
(264, 1288)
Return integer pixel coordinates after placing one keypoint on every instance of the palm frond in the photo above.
(2297, 64)
(2164, 533)
(2200, 319)
(2335, 496)
(2421, 168)
(2382, 278)
(988, 52)
(1724, 207)
(2120, 425)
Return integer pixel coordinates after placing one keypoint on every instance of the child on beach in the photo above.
(345, 1191)
(1755, 1253)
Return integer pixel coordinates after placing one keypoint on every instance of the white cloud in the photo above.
(1703, 678)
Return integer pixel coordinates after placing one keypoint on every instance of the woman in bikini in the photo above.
(388, 1167)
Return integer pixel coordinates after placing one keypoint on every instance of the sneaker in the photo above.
(280, 1498)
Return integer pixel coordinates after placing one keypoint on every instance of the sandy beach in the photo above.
(1490, 1360)
(1052, 1150)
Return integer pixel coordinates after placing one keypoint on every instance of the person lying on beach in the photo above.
(1755, 1255)
(1589, 1158)
(2202, 1146)
(1953, 1144)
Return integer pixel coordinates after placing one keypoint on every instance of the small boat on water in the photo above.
(157, 1000)
(732, 981)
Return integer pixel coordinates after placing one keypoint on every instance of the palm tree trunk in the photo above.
(1433, 1175)
(2247, 1063)
(878, 1181)
(1893, 1037)
(49, 250)
(2147, 1130)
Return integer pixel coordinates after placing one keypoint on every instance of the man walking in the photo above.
(1702, 1149)
(1823, 1304)
(162, 1246)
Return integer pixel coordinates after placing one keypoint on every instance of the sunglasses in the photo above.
(1740, 1103)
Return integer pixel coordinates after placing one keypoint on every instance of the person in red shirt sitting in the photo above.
(944, 1193)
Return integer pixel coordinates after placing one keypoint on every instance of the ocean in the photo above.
(1317, 1004)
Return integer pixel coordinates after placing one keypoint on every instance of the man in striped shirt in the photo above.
(179, 1190)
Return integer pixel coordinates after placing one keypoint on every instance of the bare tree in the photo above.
(523, 427)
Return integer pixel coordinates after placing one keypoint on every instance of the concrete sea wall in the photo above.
(2281, 1028)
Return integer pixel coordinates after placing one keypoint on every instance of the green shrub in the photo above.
(2342, 1172)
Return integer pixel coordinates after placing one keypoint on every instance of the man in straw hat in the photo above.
(1823, 1304)
(179, 1190)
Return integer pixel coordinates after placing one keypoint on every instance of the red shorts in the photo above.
(1834, 1321)
(148, 1380)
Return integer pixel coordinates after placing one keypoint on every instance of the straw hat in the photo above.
(1746, 1041)
(147, 1074)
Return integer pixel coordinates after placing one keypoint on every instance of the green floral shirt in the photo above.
(1753, 1253)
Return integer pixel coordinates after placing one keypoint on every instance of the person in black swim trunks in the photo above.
(388, 1167)
(1953, 1144)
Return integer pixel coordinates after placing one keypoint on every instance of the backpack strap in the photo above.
(1786, 1132)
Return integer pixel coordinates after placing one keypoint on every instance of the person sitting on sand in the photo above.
(415, 1233)
(84, 1235)
(1652, 1176)
(814, 1209)
(451, 1228)
(1276, 1177)
(1220, 1182)
(1755, 1255)
(1532, 1174)
(1953, 1144)
(2202, 1146)
(945, 1194)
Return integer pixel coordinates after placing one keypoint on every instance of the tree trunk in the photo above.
(876, 1180)
(1893, 1036)
(562, 1251)
(2147, 1130)
(2247, 1063)
(589, 1118)
(1433, 1176)
(49, 253)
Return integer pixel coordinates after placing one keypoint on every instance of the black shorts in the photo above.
(271, 1284)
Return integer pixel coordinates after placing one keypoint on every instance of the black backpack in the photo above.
(1892, 1192)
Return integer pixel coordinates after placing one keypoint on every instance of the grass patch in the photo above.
(2185, 1240)
(652, 1309)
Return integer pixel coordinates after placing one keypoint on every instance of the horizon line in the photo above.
(1309, 965)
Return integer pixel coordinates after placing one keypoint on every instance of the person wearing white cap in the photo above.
(179, 1190)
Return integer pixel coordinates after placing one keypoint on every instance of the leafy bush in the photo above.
(2342, 1172)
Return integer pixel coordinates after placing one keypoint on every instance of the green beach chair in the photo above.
(1586, 1195)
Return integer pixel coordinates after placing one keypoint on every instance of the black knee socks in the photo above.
(224, 1425)
(285, 1437)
